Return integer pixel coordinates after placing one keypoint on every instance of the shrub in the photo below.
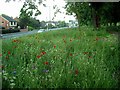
(30, 28)
(113, 28)
(4, 31)
(3, 27)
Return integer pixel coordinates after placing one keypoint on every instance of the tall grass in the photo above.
(66, 58)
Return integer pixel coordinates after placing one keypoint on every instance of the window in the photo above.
(11, 23)
(15, 23)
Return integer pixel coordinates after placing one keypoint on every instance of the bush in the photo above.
(30, 28)
(113, 28)
(4, 31)
(3, 27)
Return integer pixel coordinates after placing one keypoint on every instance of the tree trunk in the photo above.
(95, 19)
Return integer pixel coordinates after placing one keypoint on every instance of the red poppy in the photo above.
(70, 54)
(70, 40)
(46, 63)
(0, 55)
(7, 57)
(54, 46)
(43, 53)
(64, 41)
(15, 40)
(8, 52)
(76, 72)
(38, 56)
(85, 52)
(97, 39)
(89, 56)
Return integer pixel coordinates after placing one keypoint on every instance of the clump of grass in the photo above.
(66, 58)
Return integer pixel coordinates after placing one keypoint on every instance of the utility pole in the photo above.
(49, 16)
(48, 20)
(47, 23)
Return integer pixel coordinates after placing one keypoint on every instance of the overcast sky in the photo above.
(13, 9)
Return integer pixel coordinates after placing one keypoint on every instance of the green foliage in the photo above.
(29, 7)
(30, 28)
(103, 12)
(81, 10)
(113, 28)
(4, 31)
(66, 58)
(61, 24)
(110, 12)
(27, 12)
(43, 25)
(34, 23)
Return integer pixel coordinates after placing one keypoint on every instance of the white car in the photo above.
(40, 31)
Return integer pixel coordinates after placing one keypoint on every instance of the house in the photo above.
(7, 22)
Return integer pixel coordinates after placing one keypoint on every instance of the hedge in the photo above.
(4, 31)
(113, 28)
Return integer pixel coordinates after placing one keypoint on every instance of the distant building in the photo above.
(7, 22)
(54, 23)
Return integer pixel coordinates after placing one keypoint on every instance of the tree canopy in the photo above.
(29, 10)
(92, 13)
(107, 12)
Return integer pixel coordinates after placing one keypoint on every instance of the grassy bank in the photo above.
(66, 58)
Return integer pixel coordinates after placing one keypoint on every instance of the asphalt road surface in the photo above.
(19, 34)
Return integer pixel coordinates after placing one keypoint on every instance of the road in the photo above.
(19, 34)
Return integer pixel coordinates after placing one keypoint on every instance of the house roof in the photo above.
(8, 18)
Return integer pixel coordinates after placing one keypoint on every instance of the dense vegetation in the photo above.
(95, 13)
(61, 59)
(5, 31)
(83, 57)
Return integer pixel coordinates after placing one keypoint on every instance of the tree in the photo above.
(81, 10)
(34, 23)
(110, 13)
(96, 10)
(27, 13)
(61, 24)
(43, 24)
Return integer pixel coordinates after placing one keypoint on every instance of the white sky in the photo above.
(13, 9)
